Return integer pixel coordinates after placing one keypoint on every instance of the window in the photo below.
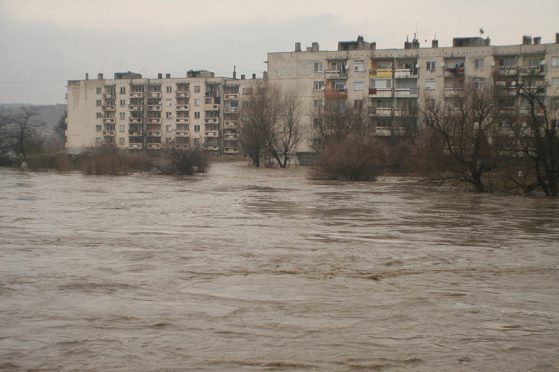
(196, 115)
(122, 90)
(98, 128)
(318, 67)
(169, 128)
(98, 140)
(479, 83)
(318, 85)
(196, 141)
(247, 91)
(431, 65)
(98, 103)
(122, 102)
(121, 115)
(98, 90)
(316, 123)
(431, 84)
(381, 83)
(555, 82)
(168, 115)
(196, 101)
(121, 140)
(98, 115)
(555, 62)
(196, 89)
(317, 103)
(169, 89)
(358, 86)
(121, 128)
(479, 63)
(339, 86)
(208, 100)
(196, 128)
(358, 66)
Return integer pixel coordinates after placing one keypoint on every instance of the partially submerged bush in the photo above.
(184, 162)
(356, 158)
(115, 162)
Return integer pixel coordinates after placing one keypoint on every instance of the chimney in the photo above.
(315, 47)
(99, 76)
(415, 43)
(86, 76)
(253, 76)
(160, 75)
(167, 76)
(265, 75)
(242, 76)
(537, 40)
(234, 72)
(373, 45)
(434, 43)
(297, 47)
(526, 40)
(557, 38)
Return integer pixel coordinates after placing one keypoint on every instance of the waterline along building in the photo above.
(133, 112)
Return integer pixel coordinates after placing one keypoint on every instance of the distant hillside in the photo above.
(50, 114)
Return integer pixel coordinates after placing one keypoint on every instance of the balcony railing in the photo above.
(382, 73)
(109, 120)
(380, 92)
(212, 133)
(108, 108)
(231, 97)
(231, 150)
(135, 121)
(231, 136)
(183, 107)
(386, 132)
(135, 133)
(182, 93)
(406, 92)
(155, 94)
(230, 124)
(335, 74)
(453, 92)
(154, 120)
(405, 73)
(231, 110)
(182, 133)
(135, 146)
(211, 120)
(335, 93)
(211, 147)
(136, 107)
(154, 107)
(182, 120)
(109, 133)
(136, 94)
(211, 107)
(154, 146)
(457, 71)
(154, 133)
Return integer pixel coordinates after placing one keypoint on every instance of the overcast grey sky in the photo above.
(44, 43)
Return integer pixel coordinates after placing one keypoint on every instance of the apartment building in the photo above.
(394, 83)
(137, 113)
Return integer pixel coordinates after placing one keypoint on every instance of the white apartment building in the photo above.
(394, 82)
(133, 112)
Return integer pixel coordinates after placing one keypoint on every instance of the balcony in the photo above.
(380, 92)
(453, 92)
(211, 107)
(387, 132)
(211, 120)
(510, 71)
(212, 133)
(135, 133)
(456, 71)
(154, 133)
(381, 111)
(533, 70)
(182, 120)
(154, 121)
(155, 95)
(108, 108)
(231, 136)
(136, 107)
(231, 97)
(211, 147)
(136, 94)
(135, 120)
(335, 74)
(231, 150)
(406, 92)
(182, 94)
(231, 110)
(154, 107)
(405, 73)
(135, 146)
(381, 73)
(109, 133)
(154, 146)
(182, 107)
(109, 120)
(230, 124)
(182, 133)
(335, 93)
(108, 95)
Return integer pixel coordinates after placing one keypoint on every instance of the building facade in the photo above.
(133, 112)
(394, 83)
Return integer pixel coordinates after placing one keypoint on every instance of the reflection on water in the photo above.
(245, 269)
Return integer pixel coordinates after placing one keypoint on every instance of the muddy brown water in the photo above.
(245, 269)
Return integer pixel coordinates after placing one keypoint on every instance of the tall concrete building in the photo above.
(133, 112)
(393, 83)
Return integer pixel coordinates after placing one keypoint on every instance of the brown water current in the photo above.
(256, 270)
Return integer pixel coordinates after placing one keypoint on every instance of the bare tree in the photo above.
(465, 126)
(20, 131)
(335, 120)
(271, 123)
(536, 132)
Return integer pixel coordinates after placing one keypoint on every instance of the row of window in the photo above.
(168, 128)
(169, 89)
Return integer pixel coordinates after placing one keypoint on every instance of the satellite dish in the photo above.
(481, 31)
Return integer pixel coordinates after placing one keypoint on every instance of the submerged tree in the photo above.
(19, 131)
(465, 126)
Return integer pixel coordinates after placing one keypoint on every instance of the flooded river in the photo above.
(255, 270)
